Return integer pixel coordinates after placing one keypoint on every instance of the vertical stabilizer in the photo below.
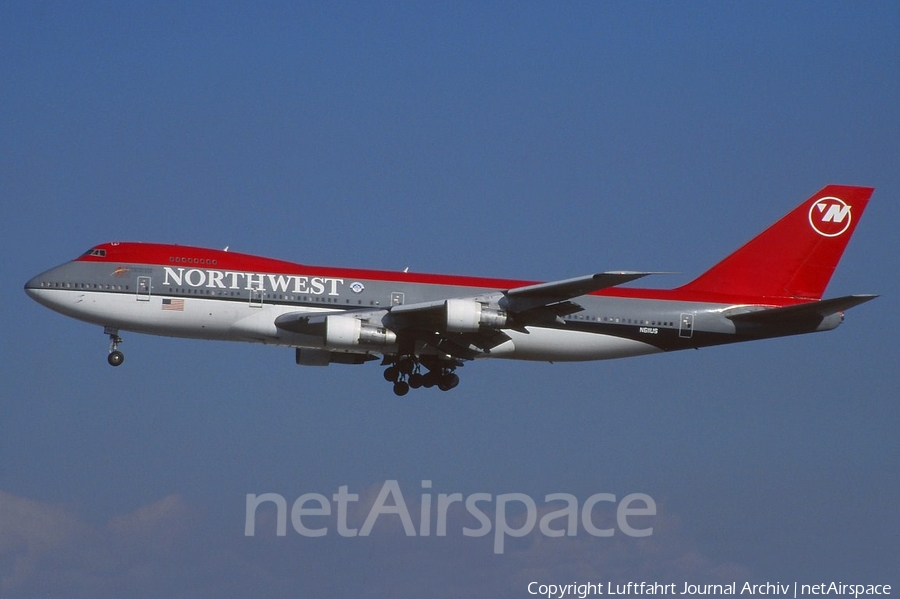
(795, 257)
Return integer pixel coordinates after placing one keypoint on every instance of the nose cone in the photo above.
(32, 286)
(40, 288)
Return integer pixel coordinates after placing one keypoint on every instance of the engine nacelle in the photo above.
(469, 316)
(312, 357)
(346, 331)
(306, 356)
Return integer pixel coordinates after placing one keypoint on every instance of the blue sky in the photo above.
(523, 140)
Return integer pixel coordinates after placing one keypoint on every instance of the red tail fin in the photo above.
(795, 257)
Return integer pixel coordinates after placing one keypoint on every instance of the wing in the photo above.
(463, 328)
(468, 327)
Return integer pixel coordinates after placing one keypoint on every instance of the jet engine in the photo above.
(346, 331)
(468, 316)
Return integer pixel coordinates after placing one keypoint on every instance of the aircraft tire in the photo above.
(115, 358)
(391, 374)
(448, 381)
(401, 388)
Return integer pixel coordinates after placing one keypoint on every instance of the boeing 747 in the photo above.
(424, 326)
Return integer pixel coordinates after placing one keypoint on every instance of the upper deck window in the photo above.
(181, 259)
(96, 252)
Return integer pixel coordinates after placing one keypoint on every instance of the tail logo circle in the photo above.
(829, 216)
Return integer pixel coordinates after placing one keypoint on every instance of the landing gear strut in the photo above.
(115, 357)
(405, 372)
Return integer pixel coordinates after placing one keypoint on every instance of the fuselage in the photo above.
(182, 291)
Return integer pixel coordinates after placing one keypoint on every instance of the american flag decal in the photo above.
(173, 304)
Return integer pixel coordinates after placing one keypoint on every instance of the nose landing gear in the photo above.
(115, 357)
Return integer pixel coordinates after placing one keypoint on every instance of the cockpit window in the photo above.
(96, 252)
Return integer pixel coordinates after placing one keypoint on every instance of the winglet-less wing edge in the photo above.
(520, 299)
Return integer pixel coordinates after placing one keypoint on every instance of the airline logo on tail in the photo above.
(829, 216)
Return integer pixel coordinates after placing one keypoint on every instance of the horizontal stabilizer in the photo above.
(801, 313)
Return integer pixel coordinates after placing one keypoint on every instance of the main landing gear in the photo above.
(405, 372)
(115, 357)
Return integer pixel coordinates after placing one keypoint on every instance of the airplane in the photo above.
(425, 326)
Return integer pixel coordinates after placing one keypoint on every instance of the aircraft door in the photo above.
(686, 328)
(256, 296)
(143, 289)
